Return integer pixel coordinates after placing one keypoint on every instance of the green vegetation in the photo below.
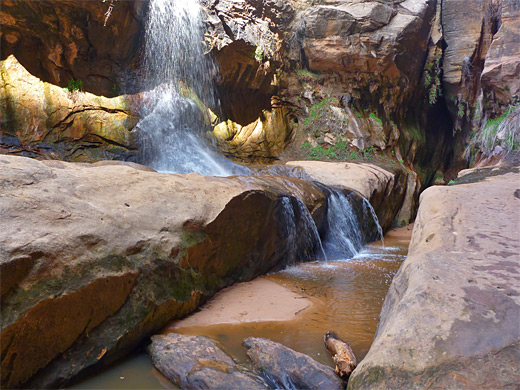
(319, 110)
(307, 72)
(374, 116)
(461, 108)
(432, 79)
(337, 152)
(74, 85)
(259, 54)
(502, 130)
(451, 182)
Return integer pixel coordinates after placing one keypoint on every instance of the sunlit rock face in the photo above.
(42, 120)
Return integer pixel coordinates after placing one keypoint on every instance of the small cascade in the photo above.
(343, 239)
(171, 133)
(300, 232)
(367, 207)
(347, 229)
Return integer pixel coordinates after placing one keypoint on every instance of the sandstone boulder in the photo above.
(195, 362)
(450, 319)
(43, 120)
(93, 258)
(284, 368)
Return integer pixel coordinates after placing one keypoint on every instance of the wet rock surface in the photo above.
(96, 257)
(195, 362)
(450, 319)
(286, 369)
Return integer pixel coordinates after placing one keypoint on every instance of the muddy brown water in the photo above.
(347, 298)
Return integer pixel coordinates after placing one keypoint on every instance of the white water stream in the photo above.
(181, 76)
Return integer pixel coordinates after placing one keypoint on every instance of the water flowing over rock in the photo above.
(392, 194)
(450, 319)
(174, 119)
(98, 257)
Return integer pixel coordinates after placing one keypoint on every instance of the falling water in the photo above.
(344, 236)
(174, 120)
(343, 239)
(301, 233)
(368, 207)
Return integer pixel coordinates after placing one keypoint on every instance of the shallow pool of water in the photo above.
(347, 297)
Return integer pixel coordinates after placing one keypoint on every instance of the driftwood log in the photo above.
(342, 355)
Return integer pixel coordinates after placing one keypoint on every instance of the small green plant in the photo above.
(374, 116)
(336, 152)
(308, 72)
(451, 182)
(259, 54)
(432, 79)
(74, 85)
(461, 108)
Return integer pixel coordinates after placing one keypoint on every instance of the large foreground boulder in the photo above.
(195, 362)
(451, 317)
(93, 258)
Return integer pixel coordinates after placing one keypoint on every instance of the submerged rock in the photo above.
(284, 368)
(93, 258)
(195, 362)
(450, 319)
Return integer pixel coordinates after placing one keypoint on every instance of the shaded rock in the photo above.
(385, 190)
(369, 44)
(286, 369)
(93, 258)
(59, 41)
(246, 38)
(450, 319)
(500, 76)
(195, 362)
(42, 120)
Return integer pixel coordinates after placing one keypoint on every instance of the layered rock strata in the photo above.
(63, 40)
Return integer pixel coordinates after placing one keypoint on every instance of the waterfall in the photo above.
(171, 133)
(368, 207)
(304, 243)
(345, 236)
